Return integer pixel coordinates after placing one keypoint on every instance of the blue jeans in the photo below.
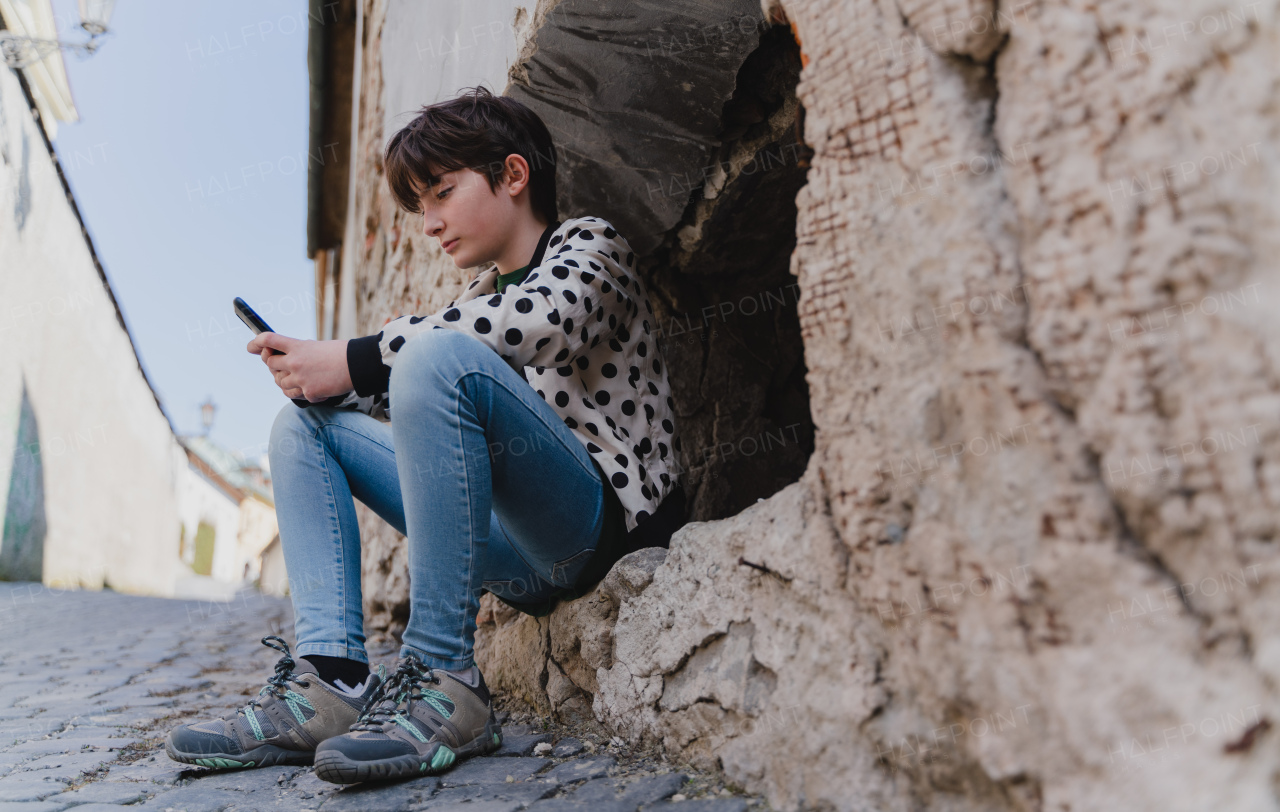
(491, 489)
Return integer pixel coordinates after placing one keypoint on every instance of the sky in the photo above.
(189, 167)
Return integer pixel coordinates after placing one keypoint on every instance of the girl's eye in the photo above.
(443, 192)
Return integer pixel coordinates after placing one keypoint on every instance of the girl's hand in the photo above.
(313, 370)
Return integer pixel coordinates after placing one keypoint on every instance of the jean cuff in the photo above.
(437, 662)
(331, 650)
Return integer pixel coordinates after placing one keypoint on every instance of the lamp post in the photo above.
(21, 51)
(207, 410)
(95, 14)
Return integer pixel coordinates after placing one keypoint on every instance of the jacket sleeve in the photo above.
(375, 405)
(580, 296)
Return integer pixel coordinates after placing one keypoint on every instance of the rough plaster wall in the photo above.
(972, 599)
(998, 624)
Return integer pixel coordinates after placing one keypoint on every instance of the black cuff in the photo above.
(303, 403)
(369, 375)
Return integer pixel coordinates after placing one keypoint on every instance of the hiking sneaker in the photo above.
(422, 722)
(294, 712)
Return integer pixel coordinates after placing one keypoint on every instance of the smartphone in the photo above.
(252, 319)
(257, 325)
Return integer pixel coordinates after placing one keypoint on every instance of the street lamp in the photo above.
(206, 414)
(95, 14)
(21, 51)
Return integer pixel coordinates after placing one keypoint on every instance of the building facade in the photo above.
(97, 490)
(87, 456)
(228, 519)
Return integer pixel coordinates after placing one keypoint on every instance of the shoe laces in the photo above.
(278, 684)
(396, 694)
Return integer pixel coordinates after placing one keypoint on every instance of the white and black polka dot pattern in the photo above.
(581, 327)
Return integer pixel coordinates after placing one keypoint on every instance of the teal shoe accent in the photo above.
(404, 723)
(222, 762)
(443, 758)
(252, 716)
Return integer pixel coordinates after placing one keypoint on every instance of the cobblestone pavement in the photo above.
(91, 682)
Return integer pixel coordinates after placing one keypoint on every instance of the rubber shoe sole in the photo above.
(266, 756)
(334, 767)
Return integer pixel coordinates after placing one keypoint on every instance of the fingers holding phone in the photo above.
(265, 342)
(274, 351)
(311, 370)
(268, 344)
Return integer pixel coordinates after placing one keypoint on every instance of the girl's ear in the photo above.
(515, 172)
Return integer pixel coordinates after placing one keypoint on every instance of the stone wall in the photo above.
(1031, 561)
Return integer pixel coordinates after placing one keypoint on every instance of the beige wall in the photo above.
(107, 452)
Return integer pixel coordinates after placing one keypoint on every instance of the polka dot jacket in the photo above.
(580, 329)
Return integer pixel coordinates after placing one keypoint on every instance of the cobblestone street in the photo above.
(91, 682)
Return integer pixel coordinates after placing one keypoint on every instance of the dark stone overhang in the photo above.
(633, 94)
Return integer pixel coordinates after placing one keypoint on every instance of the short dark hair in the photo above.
(477, 130)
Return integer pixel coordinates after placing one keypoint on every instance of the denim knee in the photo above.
(291, 425)
(431, 358)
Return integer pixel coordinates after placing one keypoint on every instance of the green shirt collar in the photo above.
(513, 278)
(517, 276)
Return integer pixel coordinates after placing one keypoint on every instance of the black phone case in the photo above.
(251, 320)
(250, 317)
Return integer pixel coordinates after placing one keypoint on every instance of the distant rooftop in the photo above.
(233, 468)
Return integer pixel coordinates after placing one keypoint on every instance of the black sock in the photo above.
(351, 672)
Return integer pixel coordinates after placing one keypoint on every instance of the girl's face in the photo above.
(471, 222)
